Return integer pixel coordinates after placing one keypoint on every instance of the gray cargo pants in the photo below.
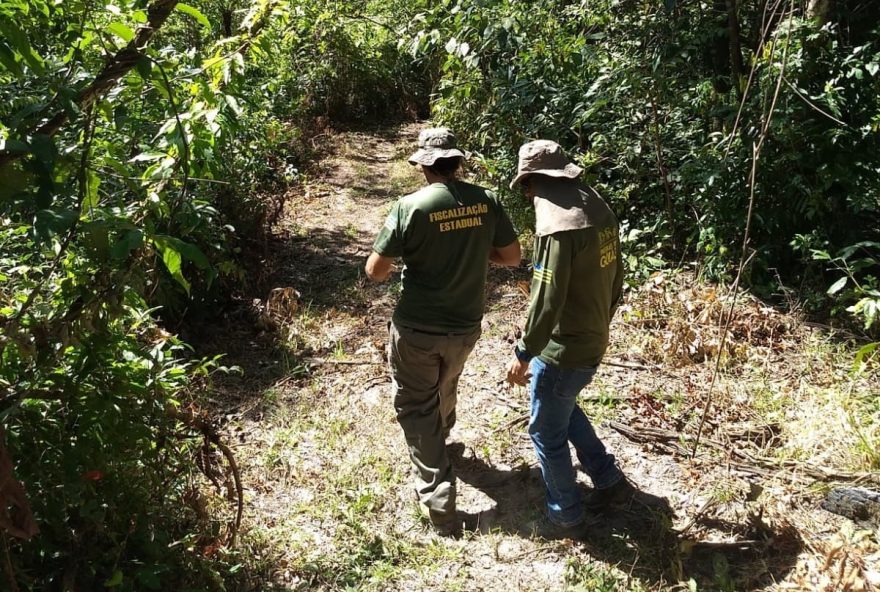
(424, 381)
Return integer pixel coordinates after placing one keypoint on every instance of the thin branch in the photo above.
(110, 173)
(661, 168)
(742, 103)
(814, 106)
(182, 130)
(65, 244)
(8, 569)
(190, 419)
(744, 256)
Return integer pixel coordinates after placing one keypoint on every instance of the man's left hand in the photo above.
(518, 372)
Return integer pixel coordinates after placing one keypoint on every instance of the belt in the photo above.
(435, 333)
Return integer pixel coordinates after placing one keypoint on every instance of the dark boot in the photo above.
(617, 496)
(546, 529)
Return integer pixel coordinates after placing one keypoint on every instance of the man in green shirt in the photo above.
(576, 287)
(446, 233)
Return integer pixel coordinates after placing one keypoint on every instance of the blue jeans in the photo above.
(557, 420)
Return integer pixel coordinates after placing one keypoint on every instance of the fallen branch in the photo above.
(855, 503)
(509, 425)
(630, 366)
(636, 366)
(689, 546)
(323, 361)
(202, 425)
(674, 442)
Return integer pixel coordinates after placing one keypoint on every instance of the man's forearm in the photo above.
(379, 268)
(508, 256)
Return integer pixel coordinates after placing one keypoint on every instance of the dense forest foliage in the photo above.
(145, 148)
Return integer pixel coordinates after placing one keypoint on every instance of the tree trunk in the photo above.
(226, 17)
(820, 10)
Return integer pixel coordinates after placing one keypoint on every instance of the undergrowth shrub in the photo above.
(146, 206)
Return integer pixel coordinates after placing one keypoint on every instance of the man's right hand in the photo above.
(518, 372)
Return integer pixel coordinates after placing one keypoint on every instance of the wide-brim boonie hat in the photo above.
(544, 157)
(434, 143)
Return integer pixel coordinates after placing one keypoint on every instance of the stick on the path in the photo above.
(673, 441)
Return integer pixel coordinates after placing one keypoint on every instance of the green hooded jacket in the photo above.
(576, 286)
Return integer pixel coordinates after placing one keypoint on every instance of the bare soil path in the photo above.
(329, 505)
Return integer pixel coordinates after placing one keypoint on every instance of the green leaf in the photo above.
(22, 45)
(124, 32)
(49, 222)
(25, 112)
(864, 354)
(233, 104)
(172, 259)
(8, 61)
(837, 286)
(148, 156)
(44, 150)
(115, 579)
(90, 197)
(12, 145)
(145, 68)
(131, 240)
(195, 13)
(96, 238)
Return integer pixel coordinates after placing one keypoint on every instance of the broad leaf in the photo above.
(195, 13)
(837, 286)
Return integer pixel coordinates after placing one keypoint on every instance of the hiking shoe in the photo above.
(445, 523)
(617, 496)
(448, 524)
(545, 528)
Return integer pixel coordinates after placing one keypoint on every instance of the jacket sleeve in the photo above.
(552, 273)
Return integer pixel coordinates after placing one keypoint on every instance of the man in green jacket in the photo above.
(446, 233)
(576, 287)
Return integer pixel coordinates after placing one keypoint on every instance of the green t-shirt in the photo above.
(576, 287)
(444, 233)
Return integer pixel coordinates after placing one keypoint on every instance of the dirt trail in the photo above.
(329, 504)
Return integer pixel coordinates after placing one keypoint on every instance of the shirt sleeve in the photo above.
(552, 273)
(389, 242)
(505, 234)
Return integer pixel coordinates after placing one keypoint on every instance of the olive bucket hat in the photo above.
(434, 143)
(544, 157)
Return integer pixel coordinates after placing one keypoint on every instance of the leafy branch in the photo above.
(118, 66)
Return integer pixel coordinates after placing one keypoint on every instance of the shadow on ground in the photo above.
(640, 538)
(325, 267)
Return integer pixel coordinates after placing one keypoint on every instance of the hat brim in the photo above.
(571, 171)
(427, 156)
